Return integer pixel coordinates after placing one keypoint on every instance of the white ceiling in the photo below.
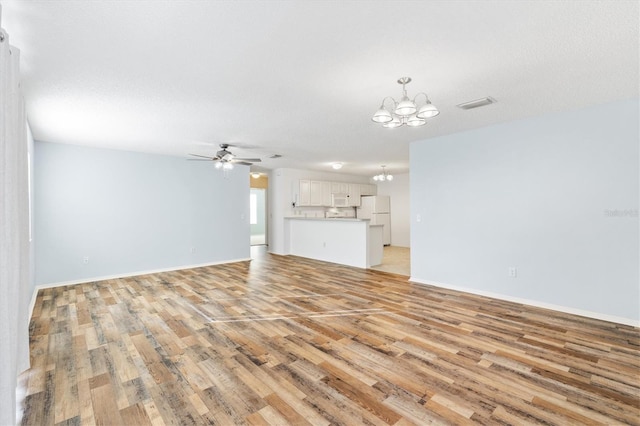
(302, 78)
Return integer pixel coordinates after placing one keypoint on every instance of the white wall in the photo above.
(15, 280)
(398, 190)
(29, 293)
(283, 185)
(131, 212)
(556, 196)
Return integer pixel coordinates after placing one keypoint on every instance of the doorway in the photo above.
(258, 216)
(397, 257)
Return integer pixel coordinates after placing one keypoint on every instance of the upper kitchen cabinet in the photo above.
(317, 193)
(354, 194)
(314, 193)
(368, 189)
(326, 194)
(339, 188)
(304, 193)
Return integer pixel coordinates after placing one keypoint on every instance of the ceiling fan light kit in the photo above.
(225, 160)
(406, 111)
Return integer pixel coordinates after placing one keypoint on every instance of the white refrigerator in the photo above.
(376, 208)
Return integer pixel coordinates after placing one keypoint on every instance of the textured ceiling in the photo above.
(302, 78)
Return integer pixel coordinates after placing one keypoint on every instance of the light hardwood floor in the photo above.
(285, 340)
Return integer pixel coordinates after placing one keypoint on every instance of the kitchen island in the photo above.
(353, 242)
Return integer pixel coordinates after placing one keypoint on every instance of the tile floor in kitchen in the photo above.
(395, 260)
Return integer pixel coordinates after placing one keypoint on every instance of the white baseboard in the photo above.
(32, 304)
(534, 303)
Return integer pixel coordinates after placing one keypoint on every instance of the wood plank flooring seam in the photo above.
(286, 340)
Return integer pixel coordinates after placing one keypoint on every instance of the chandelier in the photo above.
(383, 176)
(406, 111)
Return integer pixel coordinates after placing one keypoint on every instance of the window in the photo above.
(253, 209)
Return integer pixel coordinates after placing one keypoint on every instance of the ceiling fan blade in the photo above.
(253, 160)
(199, 159)
(244, 163)
(203, 156)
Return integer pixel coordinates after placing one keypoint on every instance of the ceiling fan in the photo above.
(225, 159)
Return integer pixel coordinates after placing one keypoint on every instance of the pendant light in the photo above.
(384, 176)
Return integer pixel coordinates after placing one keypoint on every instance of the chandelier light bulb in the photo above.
(227, 166)
(396, 122)
(382, 116)
(218, 164)
(427, 111)
(406, 107)
(415, 121)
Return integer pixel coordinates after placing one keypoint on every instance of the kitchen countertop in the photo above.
(342, 219)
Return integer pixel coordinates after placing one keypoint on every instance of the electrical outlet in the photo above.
(193, 250)
(513, 272)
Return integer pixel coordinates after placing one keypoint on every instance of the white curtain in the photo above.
(14, 230)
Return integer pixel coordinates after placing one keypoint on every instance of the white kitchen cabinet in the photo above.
(339, 188)
(326, 194)
(304, 193)
(314, 193)
(368, 189)
(354, 194)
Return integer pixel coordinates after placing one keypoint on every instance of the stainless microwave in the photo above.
(339, 200)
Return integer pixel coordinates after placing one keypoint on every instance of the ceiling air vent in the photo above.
(276, 156)
(477, 103)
